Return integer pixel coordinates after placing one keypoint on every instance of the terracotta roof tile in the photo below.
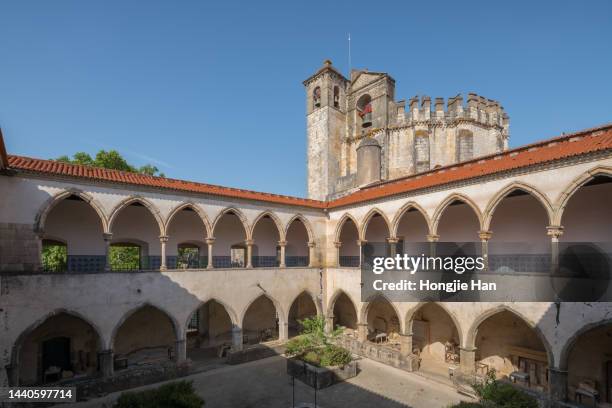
(583, 142)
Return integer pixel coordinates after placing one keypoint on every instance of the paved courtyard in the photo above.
(264, 383)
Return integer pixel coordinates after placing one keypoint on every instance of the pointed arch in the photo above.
(412, 312)
(345, 217)
(44, 211)
(237, 213)
(470, 342)
(368, 217)
(365, 309)
(510, 188)
(305, 222)
(228, 309)
(402, 211)
(282, 317)
(195, 208)
(144, 202)
(448, 201)
(311, 296)
(175, 324)
(40, 321)
(573, 188)
(571, 342)
(277, 222)
(332, 302)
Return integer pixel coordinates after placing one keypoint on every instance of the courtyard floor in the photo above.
(264, 383)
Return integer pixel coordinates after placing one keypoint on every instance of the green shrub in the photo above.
(501, 395)
(174, 395)
(464, 404)
(312, 357)
(297, 345)
(335, 356)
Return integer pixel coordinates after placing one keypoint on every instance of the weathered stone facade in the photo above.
(422, 138)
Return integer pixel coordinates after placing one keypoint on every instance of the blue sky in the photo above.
(211, 91)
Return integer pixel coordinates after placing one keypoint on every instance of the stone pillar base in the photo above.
(557, 380)
(106, 361)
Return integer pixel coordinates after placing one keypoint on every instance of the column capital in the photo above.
(107, 236)
(361, 242)
(392, 240)
(282, 243)
(163, 238)
(209, 241)
(485, 235)
(432, 237)
(555, 231)
(337, 244)
(312, 244)
(249, 242)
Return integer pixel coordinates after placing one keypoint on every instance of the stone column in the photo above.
(249, 260)
(282, 245)
(362, 332)
(209, 243)
(467, 358)
(557, 380)
(485, 236)
(360, 244)
(392, 243)
(338, 244)
(107, 363)
(236, 338)
(311, 253)
(554, 231)
(329, 324)
(405, 344)
(108, 237)
(180, 351)
(283, 331)
(432, 239)
(163, 239)
(12, 374)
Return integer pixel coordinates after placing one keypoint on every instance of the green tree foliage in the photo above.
(54, 257)
(316, 347)
(495, 394)
(124, 257)
(179, 394)
(111, 159)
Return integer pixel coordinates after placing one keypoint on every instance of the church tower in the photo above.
(326, 128)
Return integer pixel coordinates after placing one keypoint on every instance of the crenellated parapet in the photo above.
(474, 108)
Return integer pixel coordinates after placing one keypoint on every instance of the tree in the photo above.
(111, 159)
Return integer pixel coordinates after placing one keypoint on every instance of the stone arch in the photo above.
(315, 300)
(28, 331)
(332, 301)
(228, 309)
(178, 332)
(503, 193)
(293, 311)
(140, 200)
(406, 207)
(341, 223)
(366, 221)
(237, 213)
(571, 342)
(277, 222)
(305, 222)
(44, 211)
(367, 305)
(279, 310)
(448, 201)
(195, 208)
(470, 342)
(411, 313)
(574, 186)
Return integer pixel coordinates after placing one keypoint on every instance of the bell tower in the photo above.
(326, 128)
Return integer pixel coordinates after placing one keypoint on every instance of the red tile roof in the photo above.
(575, 144)
(3, 156)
